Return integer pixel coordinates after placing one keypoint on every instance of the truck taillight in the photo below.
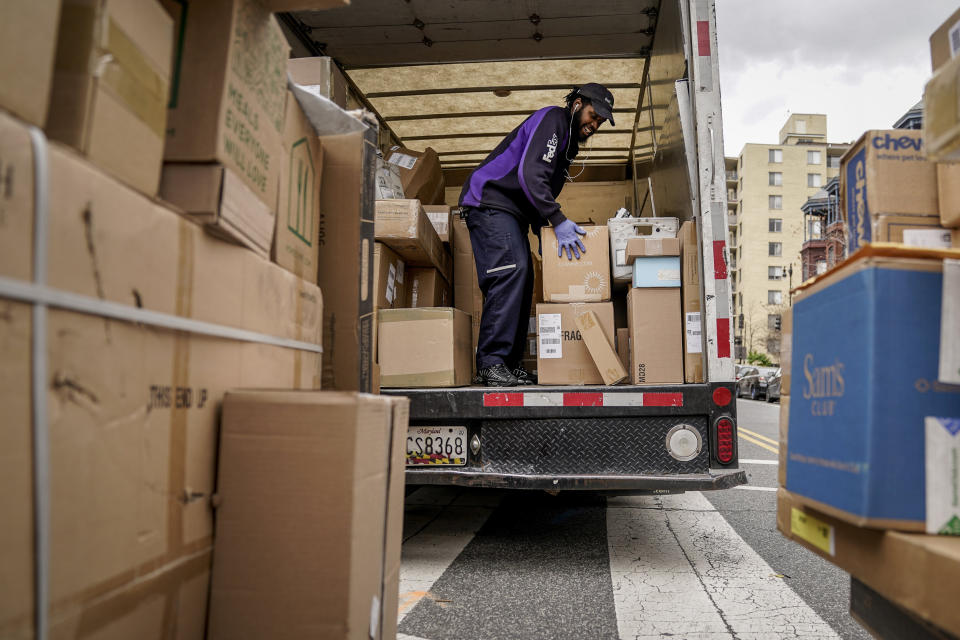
(725, 440)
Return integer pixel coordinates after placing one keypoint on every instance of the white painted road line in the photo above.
(747, 487)
(678, 567)
(426, 555)
(758, 461)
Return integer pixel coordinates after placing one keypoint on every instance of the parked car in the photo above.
(773, 385)
(751, 383)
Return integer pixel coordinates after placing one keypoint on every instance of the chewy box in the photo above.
(864, 371)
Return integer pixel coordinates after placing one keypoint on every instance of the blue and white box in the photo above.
(864, 370)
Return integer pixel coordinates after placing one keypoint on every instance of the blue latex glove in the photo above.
(567, 238)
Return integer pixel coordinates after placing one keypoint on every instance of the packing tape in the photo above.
(128, 74)
(430, 379)
(51, 297)
(38, 393)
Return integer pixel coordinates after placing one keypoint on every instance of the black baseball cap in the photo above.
(601, 98)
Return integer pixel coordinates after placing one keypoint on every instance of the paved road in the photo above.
(486, 565)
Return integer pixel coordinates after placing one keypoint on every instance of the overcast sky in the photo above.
(862, 62)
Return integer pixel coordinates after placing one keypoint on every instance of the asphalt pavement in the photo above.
(481, 564)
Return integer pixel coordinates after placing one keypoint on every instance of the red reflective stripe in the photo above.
(583, 399)
(703, 37)
(503, 399)
(723, 337)
(663, 399)
(719, 264)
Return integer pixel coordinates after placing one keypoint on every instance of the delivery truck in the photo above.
(456, 77)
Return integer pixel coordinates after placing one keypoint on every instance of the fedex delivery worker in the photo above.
(513, 190)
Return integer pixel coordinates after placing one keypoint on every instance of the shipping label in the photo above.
(391, 283)
(942, 442)
(549, 335)
(402, 160)
(694, 335)
(930, 238)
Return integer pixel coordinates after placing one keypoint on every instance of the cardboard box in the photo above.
(656, 261)
(856, 449)
(133, 408)
(583, 280)
(911, 230)
(945, 41)
(218, 198)
(908, 569)
(28, 43)
(390, 284)
(344, 454)
(390, 281)
(656, 336)
(562, 355)
(467, 296)
(424, 348)
(440, 218)
(111, 85)
(948, 192)
(404, 227)
(623, 346)
(601, 350)
(885, 172)
(346, 240)
(786, 350)
(941, 113)
(229, 92)
(420, 173)
(321, 74)
(784, 424)
(298, 206)
(949, 358)
(690, 293)
(622, 230)
(427, 288)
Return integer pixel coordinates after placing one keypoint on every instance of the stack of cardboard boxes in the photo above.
(138, 321)
(870, 404)
(579, 301)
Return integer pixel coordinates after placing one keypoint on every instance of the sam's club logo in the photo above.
(301, 190)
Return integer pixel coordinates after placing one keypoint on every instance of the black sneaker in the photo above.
(496, 376)
(523, 376)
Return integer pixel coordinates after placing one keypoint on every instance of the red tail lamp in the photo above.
(725, 440)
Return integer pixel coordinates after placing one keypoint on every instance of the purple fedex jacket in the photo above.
(526, 171)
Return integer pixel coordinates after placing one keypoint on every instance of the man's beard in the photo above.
(581, 136)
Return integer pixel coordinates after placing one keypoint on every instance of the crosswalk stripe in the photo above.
(686, 572)
(746, 487)
(749, 461)
(428, 553)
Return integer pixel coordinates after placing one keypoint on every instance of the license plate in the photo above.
(436, 446)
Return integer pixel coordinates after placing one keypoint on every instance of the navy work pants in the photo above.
(501, 250)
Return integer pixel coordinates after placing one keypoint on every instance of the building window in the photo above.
(814, 180)
(775, 202)
(773, 345)
(801, 126)
(833, 162)
(776, 225)
(775, 248)
(813, 157)
(774, 297)
(821, 267)
(776, 155)
(776, 178)
(773, 321)
(774, 273)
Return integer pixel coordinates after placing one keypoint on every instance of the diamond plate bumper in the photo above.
(716, 479)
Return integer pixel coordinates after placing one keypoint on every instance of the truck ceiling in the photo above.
(459, 75)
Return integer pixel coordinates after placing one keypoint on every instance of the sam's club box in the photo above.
(865, 401)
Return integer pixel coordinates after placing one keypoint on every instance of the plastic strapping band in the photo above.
(41, 446)
(50, 297)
